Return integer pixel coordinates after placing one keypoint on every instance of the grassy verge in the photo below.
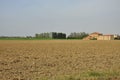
(25, 39)
(88, 76)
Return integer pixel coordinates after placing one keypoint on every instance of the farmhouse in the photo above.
(106, 37)
(99, 36)
(95, 34)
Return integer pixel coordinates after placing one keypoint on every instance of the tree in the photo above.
(37, 35)
(79, 35)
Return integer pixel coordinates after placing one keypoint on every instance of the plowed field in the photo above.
(59, 60)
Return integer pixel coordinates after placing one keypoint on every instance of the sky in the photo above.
(27, 17)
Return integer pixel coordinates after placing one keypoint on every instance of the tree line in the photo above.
(50, 35)
(79, 35)
(55, 35)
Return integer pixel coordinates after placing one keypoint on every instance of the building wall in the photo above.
(106, 37)
(100, 38)
(112, 37)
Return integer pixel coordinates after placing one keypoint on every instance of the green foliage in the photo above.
(52, 35)
(92, 75)
(75, 35)
(95, 74)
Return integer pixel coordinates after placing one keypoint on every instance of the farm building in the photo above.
(99, 36)
(106, 37)
(95, 34)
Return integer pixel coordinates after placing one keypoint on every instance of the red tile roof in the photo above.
(96, 33)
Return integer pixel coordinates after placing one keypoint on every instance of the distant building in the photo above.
(99, 36)
(95, 34)
(106, 37)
